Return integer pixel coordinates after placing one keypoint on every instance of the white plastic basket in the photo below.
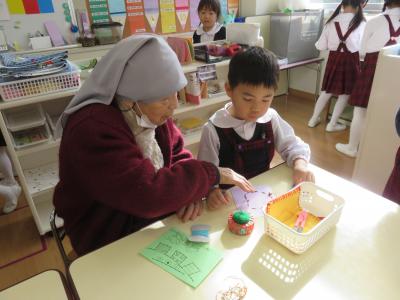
(27, 125)
(20, 89)
(316, 200)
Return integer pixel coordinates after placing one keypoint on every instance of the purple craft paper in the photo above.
(194, 16)
(252, 202)
(54, 33)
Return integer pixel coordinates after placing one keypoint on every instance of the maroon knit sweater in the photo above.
(107, 189)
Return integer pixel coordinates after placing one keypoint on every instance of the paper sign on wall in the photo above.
(233, 7)
(116, 6)
(16, 7)
(135, 15)
(167, 11)
(99, 11)
(4, 13)
(224, 7)
(46, 6)
(182, 11)
(152, 13)
(194, 16)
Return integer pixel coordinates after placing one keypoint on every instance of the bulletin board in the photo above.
(24, 20)
(165, 16)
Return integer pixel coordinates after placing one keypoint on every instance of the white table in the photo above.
(46, 285)
(359, 259)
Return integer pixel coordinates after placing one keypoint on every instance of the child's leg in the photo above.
(9, 188)
(319, 107)
(356, 127)
(337, 111)
(6, 167)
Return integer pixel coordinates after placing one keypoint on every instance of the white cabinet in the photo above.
(379, 143)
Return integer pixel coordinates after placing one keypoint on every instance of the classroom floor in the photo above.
(25, 253)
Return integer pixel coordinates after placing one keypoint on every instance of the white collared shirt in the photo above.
(287, 144)
(208, 36)
(329, 39)
(377, 33)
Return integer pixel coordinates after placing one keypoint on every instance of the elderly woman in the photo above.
(122, 161)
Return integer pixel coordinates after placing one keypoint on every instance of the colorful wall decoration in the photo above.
(98, 11)
(135, 16)
(22, 7)
(165, 16)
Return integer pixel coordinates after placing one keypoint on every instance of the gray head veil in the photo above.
(141, 67)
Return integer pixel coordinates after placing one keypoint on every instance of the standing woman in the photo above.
(122, 163)
(342, 37)
(380, 31)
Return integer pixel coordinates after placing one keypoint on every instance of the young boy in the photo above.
(246, 132)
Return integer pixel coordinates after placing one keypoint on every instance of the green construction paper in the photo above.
(188, 261)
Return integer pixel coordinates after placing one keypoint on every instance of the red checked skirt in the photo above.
(362, 89)
(341, 72)
(392, 189)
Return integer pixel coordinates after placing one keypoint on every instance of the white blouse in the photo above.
(208, 36)
(377, 33)
(329, 39)
(287, 144)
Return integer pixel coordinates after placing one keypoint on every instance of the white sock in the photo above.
(356, 127)
(339, 108)
(6, 167)
(10, 194)
(321, 103)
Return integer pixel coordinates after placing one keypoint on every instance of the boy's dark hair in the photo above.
(213, 5)
(255, 66)
(358, 17)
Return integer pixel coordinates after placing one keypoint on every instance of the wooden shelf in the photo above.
(34, 149)
(37, 99)
(192, 138)
(42, 179)
(204, 103)
(194, 65)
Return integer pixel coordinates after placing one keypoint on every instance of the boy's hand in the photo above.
(190, 211)
(301, 172)
(216, 198)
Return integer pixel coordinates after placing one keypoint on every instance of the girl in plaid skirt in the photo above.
(341, 36)
(380, 31)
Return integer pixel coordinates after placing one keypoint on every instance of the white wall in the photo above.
(257, 7)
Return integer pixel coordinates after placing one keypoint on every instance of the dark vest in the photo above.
(248, 158)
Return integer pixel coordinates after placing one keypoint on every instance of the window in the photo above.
(373, 6)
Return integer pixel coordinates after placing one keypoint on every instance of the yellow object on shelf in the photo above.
(189, 124)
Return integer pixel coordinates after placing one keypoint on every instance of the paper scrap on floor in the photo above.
(252, 202)
(188, 261)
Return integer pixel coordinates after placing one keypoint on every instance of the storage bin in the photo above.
(107, 33)
(280, 212)
(293, 36)
(27, 126)
(35, 86)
